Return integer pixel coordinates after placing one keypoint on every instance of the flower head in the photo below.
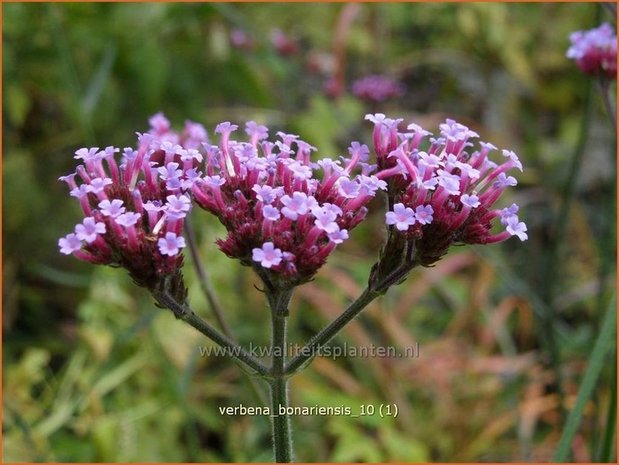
(595, 51)
(445, 194)
(134, 209)
(271, 193)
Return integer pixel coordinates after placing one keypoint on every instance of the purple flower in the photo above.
(97, 185)
(449, 182)
(368, 185)
(403, 217)
(80, 191)
(159, 123)
(423, 214)
(452, 130)
(87, 154)
(225, 128)
(170, 171)
(516, 228)
(339, 236)
(128, 219)
(256, 131)
(69, 244)
(470, 200)
(170, 244)
(348, 188)
(507, 213)
(266, 194)
(503, 181)
(113, 208)
(595, 51)
(298, 204)
(89, 229)
(270, 213)
(325, 219)
(178, 206)
(268, 256)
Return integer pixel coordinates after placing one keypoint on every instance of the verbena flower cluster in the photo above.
(134, 210)
(441, 192)
(283, 212)
(595, 51)
(377, 88)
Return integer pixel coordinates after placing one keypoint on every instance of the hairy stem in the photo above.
(281, 432)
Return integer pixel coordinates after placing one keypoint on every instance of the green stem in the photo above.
(282, 437)
(594, 367)
(233, 349)
(328, 332)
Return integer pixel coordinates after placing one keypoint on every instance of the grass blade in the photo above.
(596, 362)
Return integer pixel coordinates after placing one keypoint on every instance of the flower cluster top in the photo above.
(595, 51)
(440, 191)
(284, 213)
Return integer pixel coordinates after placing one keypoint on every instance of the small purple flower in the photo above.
(452, 130)
(325, 219)
(449, 182)
(514, 158)
(80, 191)
(348, 188)
(403, 217)
(368, 185)
(225, 128)
(256, 131)
(423, 214)
(89, 229)
(170, 244)
(298, 204)
(128, 219)
(178, 206)
(339, 236)
(503, 181)
(268, 256)
(299, 171)
(170, 171)
(153, 206)
(113, 208)
(87, 154)
(517, 228)
(97, 185)
(214, 181)
(470, 200)
(69, 244)
(507, 213)
(270, 213)
(266, 194)
(159, 123)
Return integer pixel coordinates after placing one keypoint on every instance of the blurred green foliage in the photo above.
(93, 372)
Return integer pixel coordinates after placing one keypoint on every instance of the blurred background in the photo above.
(92, 371)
